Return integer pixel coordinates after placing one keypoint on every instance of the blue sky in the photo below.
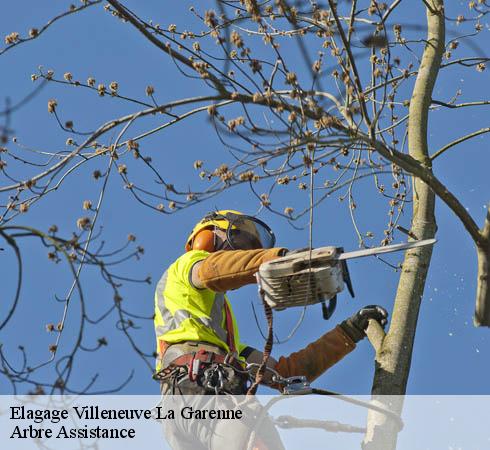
(450, 355)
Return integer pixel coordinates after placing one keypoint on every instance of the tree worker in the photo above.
(198, 342)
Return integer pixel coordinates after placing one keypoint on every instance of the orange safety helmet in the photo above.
(242, 232)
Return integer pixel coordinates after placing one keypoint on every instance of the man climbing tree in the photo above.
(196, 330)
(198, 340)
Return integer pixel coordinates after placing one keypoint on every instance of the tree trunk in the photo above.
(482, 312)
(394, 357)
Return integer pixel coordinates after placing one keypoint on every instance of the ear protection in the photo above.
(204, 240)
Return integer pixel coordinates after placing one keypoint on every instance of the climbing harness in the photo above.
(218, 374)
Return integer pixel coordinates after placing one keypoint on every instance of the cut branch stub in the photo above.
(376, 335)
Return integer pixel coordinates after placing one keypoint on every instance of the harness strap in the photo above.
(196, 359)
(230, 338)
(162, 347)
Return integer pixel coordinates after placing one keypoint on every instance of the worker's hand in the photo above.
(355, 326)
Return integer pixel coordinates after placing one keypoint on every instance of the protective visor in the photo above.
(248, 233)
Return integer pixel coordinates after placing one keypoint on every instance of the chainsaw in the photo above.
(307, 277)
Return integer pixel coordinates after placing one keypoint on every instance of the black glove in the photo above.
(355, 326)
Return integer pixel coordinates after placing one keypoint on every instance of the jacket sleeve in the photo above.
(313, 360)
(231, 269)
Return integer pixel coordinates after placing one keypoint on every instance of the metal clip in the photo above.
(208, 378)
(297, 385)
(195, 368)
(276, 377)
(230, 357)
(220, 384)
(214, 379)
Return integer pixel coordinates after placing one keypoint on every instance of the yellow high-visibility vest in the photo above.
(185, 313)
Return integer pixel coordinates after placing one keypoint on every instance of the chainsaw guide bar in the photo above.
(308, 277)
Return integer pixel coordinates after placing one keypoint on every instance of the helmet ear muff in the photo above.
(204, 240)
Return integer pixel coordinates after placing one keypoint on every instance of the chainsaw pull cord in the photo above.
(269, 342)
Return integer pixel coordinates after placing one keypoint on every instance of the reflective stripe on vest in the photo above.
(173, 321)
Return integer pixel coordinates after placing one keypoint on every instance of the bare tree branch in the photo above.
(458, 141)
